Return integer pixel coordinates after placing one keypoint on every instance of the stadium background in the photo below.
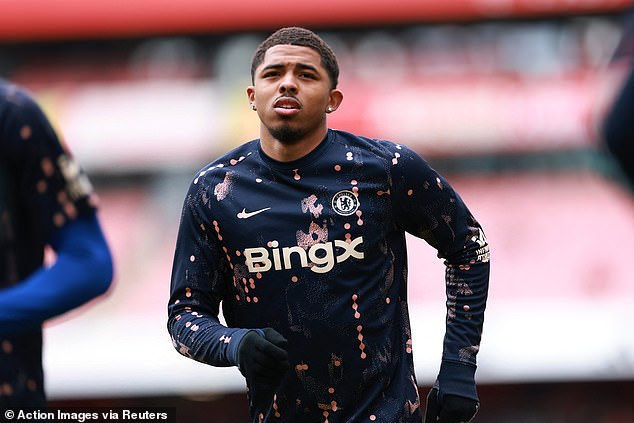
(503, 97)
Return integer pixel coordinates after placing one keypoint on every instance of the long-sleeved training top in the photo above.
(315, 248)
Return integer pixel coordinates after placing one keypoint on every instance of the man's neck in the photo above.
(287, 152)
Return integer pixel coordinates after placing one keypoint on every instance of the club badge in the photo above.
(345, 203)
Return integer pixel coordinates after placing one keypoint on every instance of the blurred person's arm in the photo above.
(81, 272)
(50, 205)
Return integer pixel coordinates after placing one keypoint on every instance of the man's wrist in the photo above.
(457, 379)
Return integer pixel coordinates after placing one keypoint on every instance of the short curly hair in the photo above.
(297, 36)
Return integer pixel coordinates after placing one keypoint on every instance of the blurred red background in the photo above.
(503, 97)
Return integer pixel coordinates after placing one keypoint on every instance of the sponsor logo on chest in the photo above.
(319, 257)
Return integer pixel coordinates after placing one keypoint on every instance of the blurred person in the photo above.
(300, 235)
(45, 200)
(618, 125)
(618, 129)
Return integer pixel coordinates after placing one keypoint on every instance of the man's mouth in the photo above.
(287, 103)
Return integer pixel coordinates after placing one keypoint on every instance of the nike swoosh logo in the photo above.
(245, 215)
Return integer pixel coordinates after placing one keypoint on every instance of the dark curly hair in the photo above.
(297, 36)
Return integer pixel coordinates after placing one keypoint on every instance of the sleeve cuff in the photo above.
(457, 379)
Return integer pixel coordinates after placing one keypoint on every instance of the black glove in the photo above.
(452, 409)
(263, 361)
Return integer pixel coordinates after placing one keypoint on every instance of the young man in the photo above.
(45, 199)
(300, 234)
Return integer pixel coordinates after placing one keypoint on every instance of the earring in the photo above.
(329, 109)
(253, 107)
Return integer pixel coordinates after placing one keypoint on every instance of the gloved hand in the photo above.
(452, 408)
(263, 361)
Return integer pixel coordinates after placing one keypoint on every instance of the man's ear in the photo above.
(334, 100)
(251, 97)
(251, 93)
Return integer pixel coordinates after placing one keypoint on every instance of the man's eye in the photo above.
(307, 75)
(270, 74)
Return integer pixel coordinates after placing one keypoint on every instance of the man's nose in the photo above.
(288, 84)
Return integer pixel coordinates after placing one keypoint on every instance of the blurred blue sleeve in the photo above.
(82, 271)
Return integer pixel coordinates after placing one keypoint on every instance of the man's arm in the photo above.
(81, 272)
(467, 281)
(197, 288)
(200, 278)
(428, 207)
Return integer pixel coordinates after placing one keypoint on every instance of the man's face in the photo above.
(292, 93)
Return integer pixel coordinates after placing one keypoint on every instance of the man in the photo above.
(300, 234)
(45, 200)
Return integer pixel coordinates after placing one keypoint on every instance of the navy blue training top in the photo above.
(315, 248)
